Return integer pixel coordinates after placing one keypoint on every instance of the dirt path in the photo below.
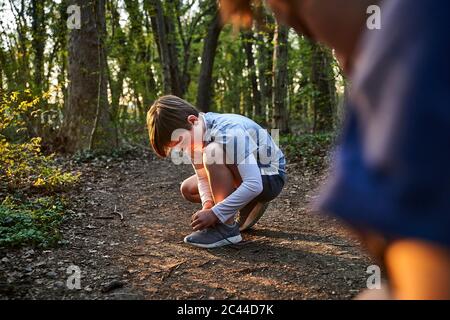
(291, 253)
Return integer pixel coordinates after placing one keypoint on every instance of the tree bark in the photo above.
(176, 82)
(1, 77)
(145, 83)
(323, 82)
(87, 120)
(159, 32)
(256, 94)
(164, 33)
(265, 67)
(205, 85)
(38, 41)
(280, 79)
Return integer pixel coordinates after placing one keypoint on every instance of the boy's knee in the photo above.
(186, 190)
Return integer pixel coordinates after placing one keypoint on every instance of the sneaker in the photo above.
(218, 236)
(250, 215)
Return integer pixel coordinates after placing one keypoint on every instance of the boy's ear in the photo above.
(192, 119)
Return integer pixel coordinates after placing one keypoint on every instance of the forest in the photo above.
(76, 170)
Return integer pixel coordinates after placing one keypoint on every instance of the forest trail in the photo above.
(291, 253)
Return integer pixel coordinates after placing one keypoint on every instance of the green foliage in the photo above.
(28, 215)
(310, 150)
(30, 222)
(16, 110)
(22, 165)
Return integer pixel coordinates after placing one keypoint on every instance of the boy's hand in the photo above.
(203, 219)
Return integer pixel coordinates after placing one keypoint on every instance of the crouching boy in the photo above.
(238, 167)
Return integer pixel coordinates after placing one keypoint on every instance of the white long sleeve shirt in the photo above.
(249, 189)
(244, 140)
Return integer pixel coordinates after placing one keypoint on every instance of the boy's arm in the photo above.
(249, 189)
(204, 189)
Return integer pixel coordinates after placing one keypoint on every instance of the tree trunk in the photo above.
(1, 78)
(87, 121)
(280, 79)
(265, 60)
(164, 32)
(142, 82)
(205, 85)
(61, 34)
(159, 32)
(176, 82)
(38, 41)
(323, 81)
(256, 94)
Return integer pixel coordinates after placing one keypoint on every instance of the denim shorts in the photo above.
(272, 186)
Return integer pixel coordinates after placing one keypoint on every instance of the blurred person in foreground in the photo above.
(391, 170)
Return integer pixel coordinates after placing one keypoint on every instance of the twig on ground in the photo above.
(104, 218)
(117, 212)
(171, 269)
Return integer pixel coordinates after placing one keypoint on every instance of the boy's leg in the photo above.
(223, 178)
(418, 270)
(251, 213)
(189, 189)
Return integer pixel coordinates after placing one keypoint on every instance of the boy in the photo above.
(392, 177)
(238, 167)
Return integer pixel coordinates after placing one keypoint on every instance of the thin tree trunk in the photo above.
(280, 79)
(324, 98)
(158, 23)
(62, 39)
(205, 85)
(176, 82)
(1, 79)
(165, 36)
(256, 94)
(38, 41)
(144, 82)
(265, 60)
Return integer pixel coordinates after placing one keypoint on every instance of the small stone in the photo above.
(115, 284)
(51, 274)
(39, 264)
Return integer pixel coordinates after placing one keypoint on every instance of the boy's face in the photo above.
(188, 141)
